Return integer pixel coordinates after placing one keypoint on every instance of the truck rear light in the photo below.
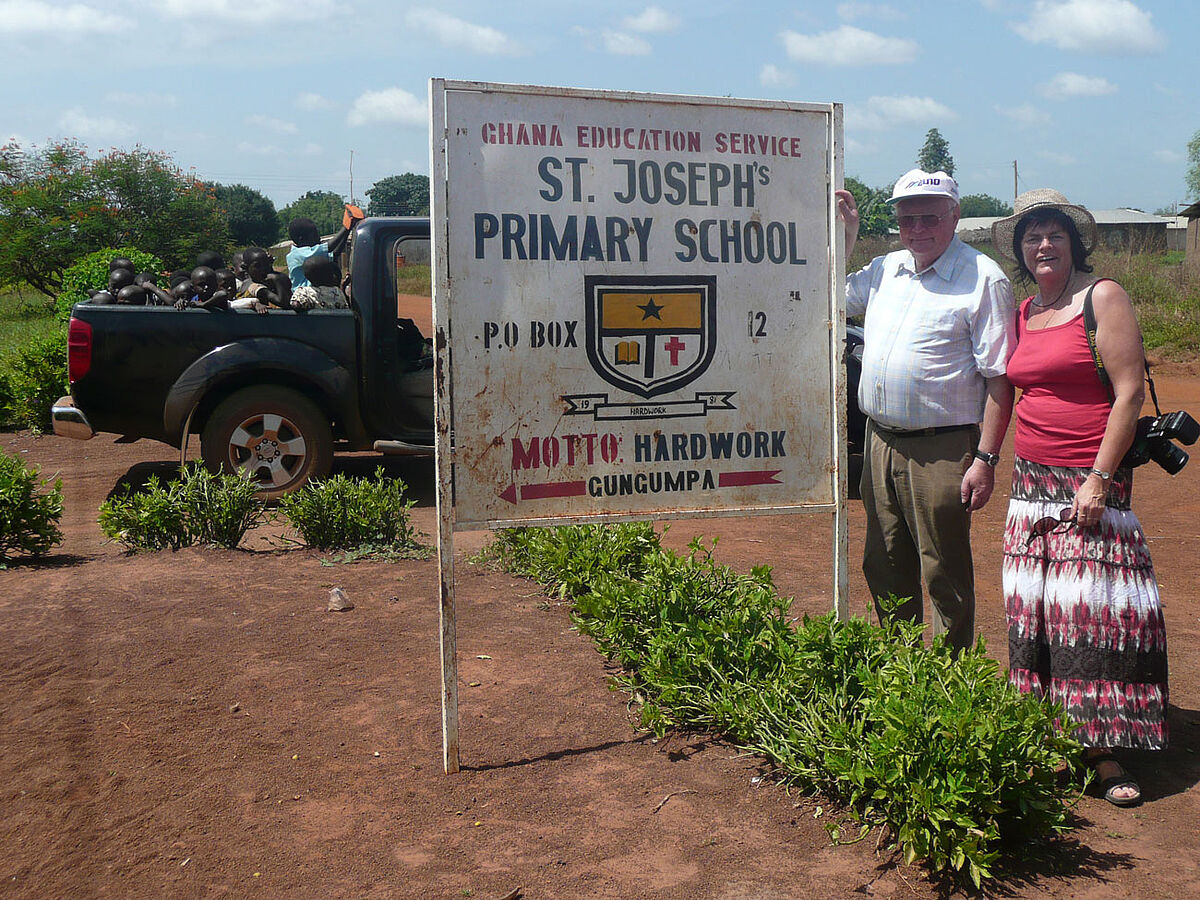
(79, 349)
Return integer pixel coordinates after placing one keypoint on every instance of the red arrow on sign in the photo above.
(739, 479)
(544, 490)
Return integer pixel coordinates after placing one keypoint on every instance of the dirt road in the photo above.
(196, 724)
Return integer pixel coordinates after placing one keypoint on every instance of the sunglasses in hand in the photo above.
(1050, 525)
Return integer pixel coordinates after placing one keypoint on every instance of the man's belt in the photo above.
(918, 432)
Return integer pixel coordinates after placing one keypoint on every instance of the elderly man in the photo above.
(938, 327)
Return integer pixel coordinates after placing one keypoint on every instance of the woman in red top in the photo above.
(1085, 624)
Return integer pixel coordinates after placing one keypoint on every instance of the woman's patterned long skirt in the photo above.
(1085, 625)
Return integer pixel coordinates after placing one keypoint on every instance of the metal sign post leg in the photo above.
(449, 649)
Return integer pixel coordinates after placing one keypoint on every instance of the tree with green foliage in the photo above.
(323, 207)
(50, 213)
(875, 214)
(1193, 169)
(400, 195)
(250, 215)
(935, 154)
(57, 204)
(974, 205)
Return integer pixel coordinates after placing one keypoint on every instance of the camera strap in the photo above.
(1089, 328)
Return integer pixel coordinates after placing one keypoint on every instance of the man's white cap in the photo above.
(918, 183)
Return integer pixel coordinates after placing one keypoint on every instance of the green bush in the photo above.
(149, 519)
(943, 755)
(36, 376)
(91, 271)
(219, 509)
(29, 514)
(343, 513)
(199, 508)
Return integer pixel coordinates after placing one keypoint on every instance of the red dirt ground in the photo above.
(196, 724)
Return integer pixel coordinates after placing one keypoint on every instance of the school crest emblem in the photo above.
(650, 335)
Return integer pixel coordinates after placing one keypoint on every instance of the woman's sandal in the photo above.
(1110, 786)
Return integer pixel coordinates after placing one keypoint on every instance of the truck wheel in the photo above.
(276, 436)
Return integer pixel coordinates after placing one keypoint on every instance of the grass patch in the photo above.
(951, 764)
(33, 353)
(414, 279)
(25, 315)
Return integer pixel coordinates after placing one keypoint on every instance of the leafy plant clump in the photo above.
(356, 514)
(199, 508)
(29, 512)
(91, 271)
(34, 377)
(943, 755)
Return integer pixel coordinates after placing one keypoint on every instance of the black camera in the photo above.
(1153, 441)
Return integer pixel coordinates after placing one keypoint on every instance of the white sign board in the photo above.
(639, 300)
(639, 313)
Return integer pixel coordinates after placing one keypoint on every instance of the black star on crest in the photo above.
(651, 310)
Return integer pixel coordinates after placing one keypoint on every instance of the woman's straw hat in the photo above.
(1040, 198)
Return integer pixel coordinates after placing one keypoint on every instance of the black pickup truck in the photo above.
(273, 395)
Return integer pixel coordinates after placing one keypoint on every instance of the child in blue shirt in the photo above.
(306, 242)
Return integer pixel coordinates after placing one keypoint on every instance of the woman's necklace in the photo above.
(1052, 306)
(1054, 302)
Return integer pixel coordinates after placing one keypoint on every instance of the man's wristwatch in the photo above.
(990, 458)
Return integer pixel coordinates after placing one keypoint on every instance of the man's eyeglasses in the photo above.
(1050, 525)
(926, 221)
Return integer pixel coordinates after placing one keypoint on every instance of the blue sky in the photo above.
(1097, 98)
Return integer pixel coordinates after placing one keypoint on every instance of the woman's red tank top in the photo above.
(1063, 409)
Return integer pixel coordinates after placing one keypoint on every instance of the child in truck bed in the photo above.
(321, 291)
(265, 288)
(306, 242)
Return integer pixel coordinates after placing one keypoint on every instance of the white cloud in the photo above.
(311, 149)
(270, 123)
(1026, 114)
(389, 105)
(623, 44)
(652, 20)
(1062, 159)
(849, 46)
(76, 123)
(259, 12)
(127, 98)
(37, 17)
(773, 76)
(878, 11)
(1070, 84)
(312, 101)
(453, 32)
(1169, 156)
(1096, 26)
(886, 112)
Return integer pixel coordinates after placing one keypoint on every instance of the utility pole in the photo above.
(1015, 181)
(351, 176)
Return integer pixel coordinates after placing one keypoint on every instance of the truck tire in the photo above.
(275, 435)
